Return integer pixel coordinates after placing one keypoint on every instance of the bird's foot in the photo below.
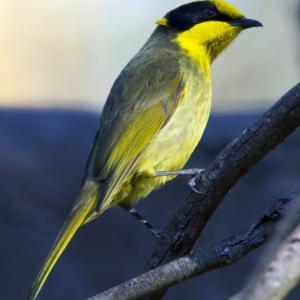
(156, 232)
(193, 172)
(192, 182)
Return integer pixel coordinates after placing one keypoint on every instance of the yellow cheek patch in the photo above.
(196, 40)
(227, 9)
(163, 22)
(203, 33)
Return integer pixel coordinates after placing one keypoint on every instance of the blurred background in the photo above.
(58, 60)
(68, 53)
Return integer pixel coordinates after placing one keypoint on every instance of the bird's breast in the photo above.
(175, 142)
(173, 145)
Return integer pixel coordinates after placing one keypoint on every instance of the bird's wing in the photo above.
(139, 105)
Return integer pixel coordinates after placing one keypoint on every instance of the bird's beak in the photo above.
(245, 23)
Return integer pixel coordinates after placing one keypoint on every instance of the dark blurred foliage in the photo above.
(42, 157)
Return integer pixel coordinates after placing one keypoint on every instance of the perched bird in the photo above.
(154, 115)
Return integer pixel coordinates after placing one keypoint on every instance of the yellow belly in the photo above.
(172, 147)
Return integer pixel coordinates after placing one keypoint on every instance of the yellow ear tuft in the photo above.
(227, 9)
(162, 21)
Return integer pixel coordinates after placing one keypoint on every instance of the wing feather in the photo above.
(141, 101)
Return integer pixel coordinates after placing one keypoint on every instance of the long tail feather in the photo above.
(85, 202)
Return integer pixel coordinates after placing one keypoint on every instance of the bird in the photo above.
(154, 116)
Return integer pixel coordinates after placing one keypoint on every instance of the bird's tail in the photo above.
(83, 207)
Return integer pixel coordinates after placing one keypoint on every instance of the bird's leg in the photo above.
(192, 172)
(134, 213)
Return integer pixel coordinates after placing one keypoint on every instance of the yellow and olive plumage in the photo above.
(154, 115)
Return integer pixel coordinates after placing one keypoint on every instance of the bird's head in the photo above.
(212, 24)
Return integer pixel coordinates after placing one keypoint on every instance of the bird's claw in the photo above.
(156, 232)
(192, 182)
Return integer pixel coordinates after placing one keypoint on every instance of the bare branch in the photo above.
(182, 232)
(223, 253)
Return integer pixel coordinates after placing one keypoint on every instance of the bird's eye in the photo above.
(210, 12)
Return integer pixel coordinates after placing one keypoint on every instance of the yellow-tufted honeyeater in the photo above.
(154, 115)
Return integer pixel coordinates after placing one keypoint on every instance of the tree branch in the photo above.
(221, 254)
(182, 232)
